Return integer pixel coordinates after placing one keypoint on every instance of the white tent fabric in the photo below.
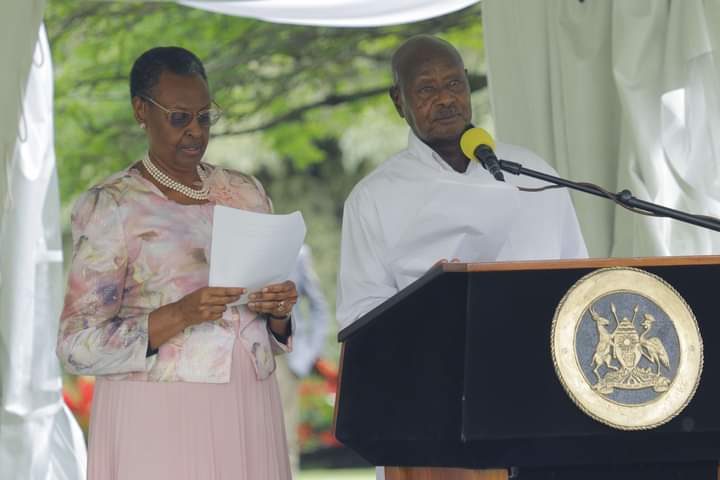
(334, 13)
(18, 35)
(623, 94)
(39, 436)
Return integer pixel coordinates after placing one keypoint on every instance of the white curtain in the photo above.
(39, 438)
(19, 24)
(620, 93)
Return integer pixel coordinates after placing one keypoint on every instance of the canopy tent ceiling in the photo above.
(335, 13)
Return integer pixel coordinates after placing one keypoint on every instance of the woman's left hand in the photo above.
(276, 300)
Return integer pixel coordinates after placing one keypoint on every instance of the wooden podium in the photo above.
(453, 378)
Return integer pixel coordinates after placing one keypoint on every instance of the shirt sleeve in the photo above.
(96, 336)
(318, 320)
(363, 280)
(276, 346)
(264, 196)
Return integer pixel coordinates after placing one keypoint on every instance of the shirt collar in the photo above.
(430, 157)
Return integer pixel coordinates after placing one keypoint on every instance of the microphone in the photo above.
(477, 144)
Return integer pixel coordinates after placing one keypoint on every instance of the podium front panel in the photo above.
(402, 378)
(512, 395)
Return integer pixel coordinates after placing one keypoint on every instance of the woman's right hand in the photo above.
(206, 304)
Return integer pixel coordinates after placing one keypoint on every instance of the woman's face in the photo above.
(183, 146)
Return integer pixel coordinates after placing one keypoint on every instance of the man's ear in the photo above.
(394, 92)
(139, 110)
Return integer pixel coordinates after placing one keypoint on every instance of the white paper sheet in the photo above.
(252, 250)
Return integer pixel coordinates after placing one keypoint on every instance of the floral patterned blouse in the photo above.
(134, 250)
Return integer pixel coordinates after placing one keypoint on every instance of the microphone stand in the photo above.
(624, 197)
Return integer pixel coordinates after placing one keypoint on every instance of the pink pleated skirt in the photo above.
(189, 431)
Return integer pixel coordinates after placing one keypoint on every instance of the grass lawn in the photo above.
(338, 474)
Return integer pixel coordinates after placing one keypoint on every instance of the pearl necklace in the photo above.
(168, 182)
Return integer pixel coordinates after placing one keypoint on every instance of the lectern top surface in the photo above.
(584, 263)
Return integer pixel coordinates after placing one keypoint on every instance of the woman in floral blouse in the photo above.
(185, 385)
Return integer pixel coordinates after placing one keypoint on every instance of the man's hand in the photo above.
(445, 260)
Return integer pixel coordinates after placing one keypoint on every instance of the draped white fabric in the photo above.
(623, 94)
(19, 24)
(39, 436)
(334, 13)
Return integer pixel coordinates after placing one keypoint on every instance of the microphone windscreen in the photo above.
(472, 139)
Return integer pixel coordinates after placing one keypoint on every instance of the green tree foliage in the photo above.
(306, 109)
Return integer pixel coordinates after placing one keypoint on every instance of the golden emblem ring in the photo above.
(578, 301)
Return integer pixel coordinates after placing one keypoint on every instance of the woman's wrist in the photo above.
(280, 327)
(164, 323)
(175, 311)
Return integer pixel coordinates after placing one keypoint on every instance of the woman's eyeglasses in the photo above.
(181, 119)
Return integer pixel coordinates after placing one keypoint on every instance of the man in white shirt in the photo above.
(430, 202)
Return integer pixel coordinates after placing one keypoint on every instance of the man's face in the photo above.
(434, 98)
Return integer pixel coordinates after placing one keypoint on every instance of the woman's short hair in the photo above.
(148, 67)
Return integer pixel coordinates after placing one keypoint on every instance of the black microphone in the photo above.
(477, 144)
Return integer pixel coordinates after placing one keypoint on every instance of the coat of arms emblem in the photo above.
(622, 350)
(627, 348)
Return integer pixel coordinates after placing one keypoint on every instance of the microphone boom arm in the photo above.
(624, 197)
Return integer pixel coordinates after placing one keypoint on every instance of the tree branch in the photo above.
(298, 113)
(477, 82)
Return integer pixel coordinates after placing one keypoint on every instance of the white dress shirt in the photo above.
(414, 210)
